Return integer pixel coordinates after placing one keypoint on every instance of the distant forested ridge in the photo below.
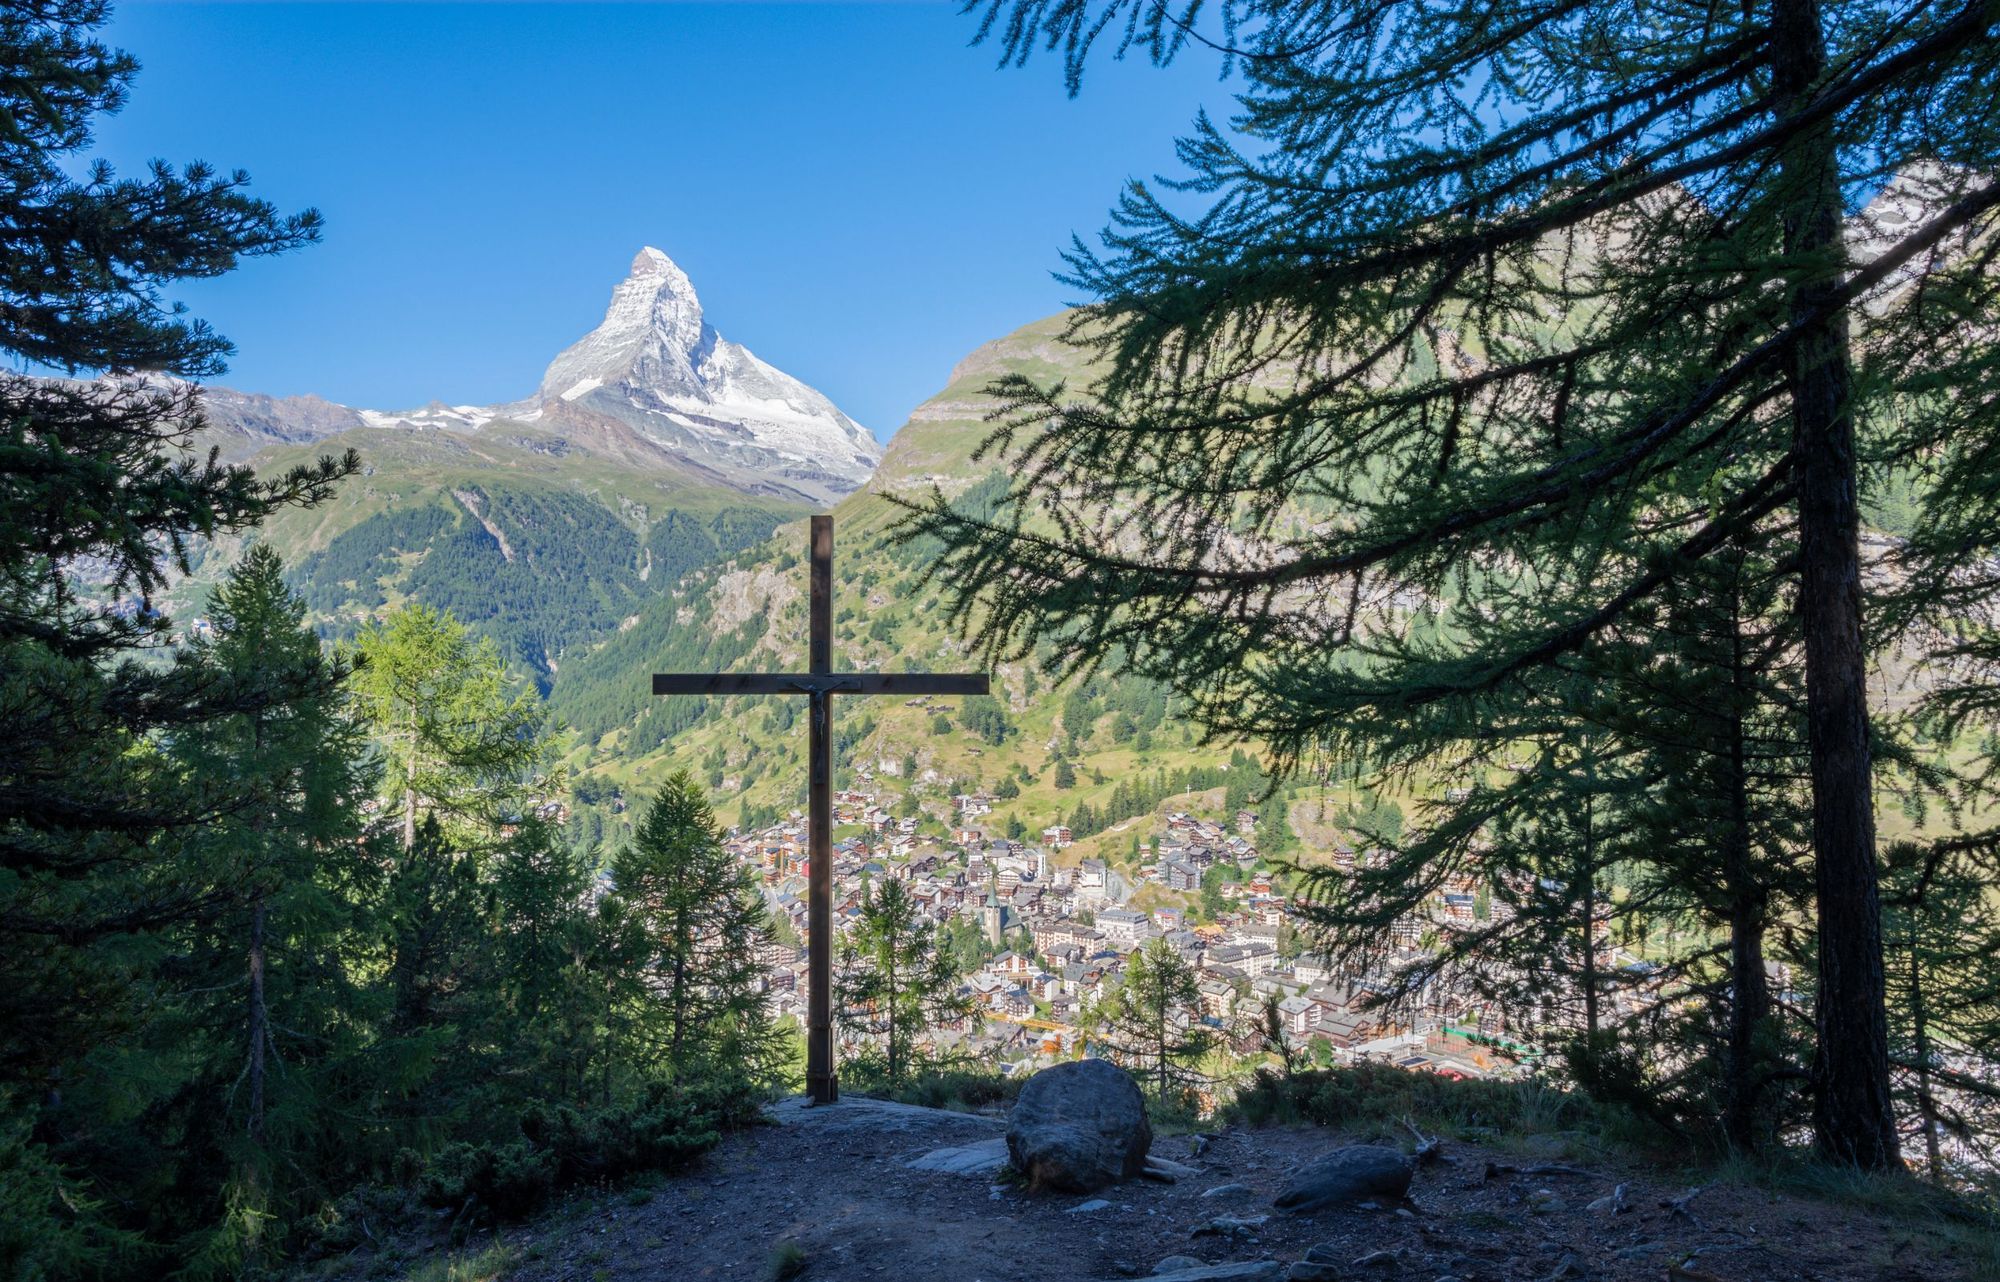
(545, 573)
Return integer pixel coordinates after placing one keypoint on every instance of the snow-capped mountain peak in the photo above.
(655, 363)
(653, 330)
(654, 369)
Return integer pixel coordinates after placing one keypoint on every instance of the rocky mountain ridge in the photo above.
(654, 385)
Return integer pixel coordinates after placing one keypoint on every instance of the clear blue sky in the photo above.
(859, 196)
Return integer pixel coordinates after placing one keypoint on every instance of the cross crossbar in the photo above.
(820, 684)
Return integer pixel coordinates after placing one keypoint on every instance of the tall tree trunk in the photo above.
(895, 998)
(259, 1031)
(683, 937)
(410, 787)
(1851, 1110)
(1587, 882)
(1920, 1028)
(1749, 990)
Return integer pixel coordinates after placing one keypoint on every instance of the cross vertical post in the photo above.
(821, 1083)
(819, 684)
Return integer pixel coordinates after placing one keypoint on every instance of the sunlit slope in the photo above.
(749, 614)
(546, 548)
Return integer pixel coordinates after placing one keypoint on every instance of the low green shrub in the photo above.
(560, 1148)
(662, 1132)
(960, 1089)
(1383, 1095)
(787, 1261)
(503, 1181)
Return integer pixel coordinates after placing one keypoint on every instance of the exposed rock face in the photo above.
(655, 363)
(1078, 1127)
(1235, 1271)
(1350, 1174)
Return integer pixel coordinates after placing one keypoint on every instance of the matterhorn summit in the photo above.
(658, 366)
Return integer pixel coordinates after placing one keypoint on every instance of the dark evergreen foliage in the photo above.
(234, 986)
(894, 985)
(1485, 325)
(546, 574)
(691, 922)
(104, 833)
(1153, 1026)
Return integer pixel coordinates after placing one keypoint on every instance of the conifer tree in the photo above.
(553, 957)
(1153, 1024)
(699, 923)
(895, 981)
(441, 963)
(1651, 775)
(102, 498)
(271, 1005)
(1943, 929)
(461, 737)
(1558, 297)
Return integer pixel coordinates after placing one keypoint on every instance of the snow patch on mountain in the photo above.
(657, 364)
(457, 418)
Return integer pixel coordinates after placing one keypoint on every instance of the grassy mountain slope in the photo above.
(543, 546)
(1123, 744)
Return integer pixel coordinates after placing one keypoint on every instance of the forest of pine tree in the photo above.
(282, 923)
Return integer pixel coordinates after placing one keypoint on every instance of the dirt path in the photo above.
(835, 1184)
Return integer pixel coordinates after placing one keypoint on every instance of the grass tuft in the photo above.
(1969, 1226)
(488, 1265)
(788, 1260)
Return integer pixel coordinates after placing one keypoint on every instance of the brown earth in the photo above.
(831, 1188)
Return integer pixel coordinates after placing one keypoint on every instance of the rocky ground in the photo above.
(865, 1189)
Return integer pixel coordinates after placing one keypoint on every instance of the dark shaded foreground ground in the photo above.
(831, 1191)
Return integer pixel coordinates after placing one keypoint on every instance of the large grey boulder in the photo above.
(1354, 1173)
(1078, 1127)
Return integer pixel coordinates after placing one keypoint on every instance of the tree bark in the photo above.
(259, 1031)
(410, 787)
(1920, 1026)
(1749, 990)
(1587, 880)
(1852, 1117)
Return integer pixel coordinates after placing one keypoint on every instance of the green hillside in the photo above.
(595, 567)
(546, 548)
(1128, 754)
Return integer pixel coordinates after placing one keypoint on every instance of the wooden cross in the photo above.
(820, 684)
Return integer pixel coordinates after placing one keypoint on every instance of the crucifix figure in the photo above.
(820, 683)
